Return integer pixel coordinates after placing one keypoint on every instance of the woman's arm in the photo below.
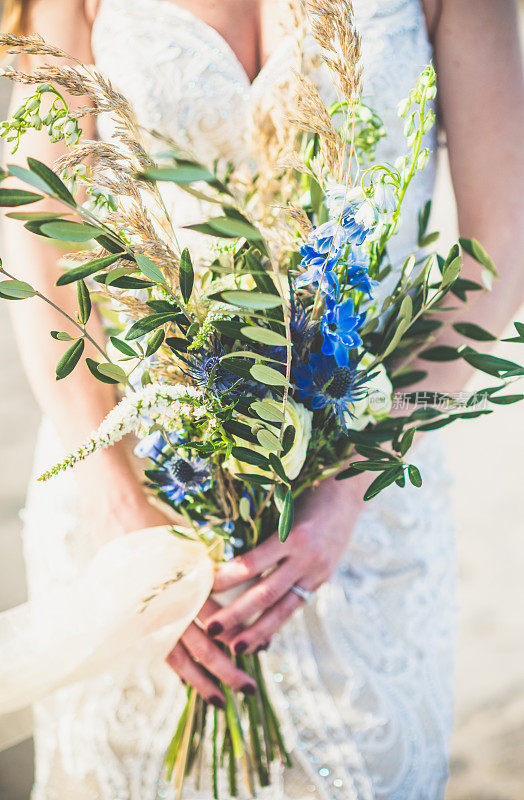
(481, 94)
(78, 403)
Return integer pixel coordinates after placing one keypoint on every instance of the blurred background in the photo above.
(487, 465)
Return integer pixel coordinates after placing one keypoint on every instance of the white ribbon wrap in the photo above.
(133, 587)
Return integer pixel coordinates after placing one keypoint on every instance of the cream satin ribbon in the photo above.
(134, 586)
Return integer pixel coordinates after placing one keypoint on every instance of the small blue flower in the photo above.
(329, 385)
(356, 271)
(153, 446)
(205, 365)
(339, 326)
(327, 238)
(180, 477)
(319, 270)
(353, 211)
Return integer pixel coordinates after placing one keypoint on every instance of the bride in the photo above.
(363, 674)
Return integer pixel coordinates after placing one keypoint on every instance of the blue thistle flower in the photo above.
(339, 326)
(329, 385)
(200, 366)
(179, 477)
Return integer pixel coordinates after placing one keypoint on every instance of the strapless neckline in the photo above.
(212, 37)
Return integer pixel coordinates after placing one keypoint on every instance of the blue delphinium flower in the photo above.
(339, 326)
(356, 275)
(329, 385)
(200, 366)
(353, 212)
(319, 270)
(153, 446)
(179, 477)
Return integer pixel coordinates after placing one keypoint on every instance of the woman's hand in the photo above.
(307, 559)
(198, 660)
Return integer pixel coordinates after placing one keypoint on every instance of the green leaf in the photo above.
(56, 186)
(287, 515)
(267, 411)
(148, 324)
(264, 336)
(156, 341)
(388, 477)
(125, 282)
(16, 290)
(402, 327)
(407, 441)
(473, 331)
(233, 330)
(440, 353)
(507, 399)
(149, 269)
(240, 430)
(257, 301)
(475, 249)
(423, 220)
(41, 177)
(451, 271)
(288, 439)
(186, 275)
(69, 360)
(406, 308)
(414, 476)
(228, 228)
(9, 198)
(34, 216)
(61, 336)
(113, 371)
(177, 343)
(123, 347)
(491, 365)
(92, 366)
(84, 302)
(268, 376)
(408, 378)
(278, 467)
(269, 441)
(66, 231)
(252, 457)
(87, 269)
(253, 477)
(183, 173)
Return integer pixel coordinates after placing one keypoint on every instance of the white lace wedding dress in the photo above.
(362, 677)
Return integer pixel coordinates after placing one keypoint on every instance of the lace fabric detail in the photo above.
(362, 677)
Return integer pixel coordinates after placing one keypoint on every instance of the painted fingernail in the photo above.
(249, 689)
(240, 647)
(217, 701)
(262, 647)
(215, 629)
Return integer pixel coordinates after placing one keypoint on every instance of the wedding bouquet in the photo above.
(270, 362)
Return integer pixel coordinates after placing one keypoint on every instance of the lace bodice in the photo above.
(185, 81)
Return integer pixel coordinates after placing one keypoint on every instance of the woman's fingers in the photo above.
(255, 637)
(255, 600)
(182, 663)
(249, 565)
(209, 655)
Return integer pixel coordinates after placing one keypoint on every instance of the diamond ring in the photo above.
(304, 594)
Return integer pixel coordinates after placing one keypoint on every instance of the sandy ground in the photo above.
(486, 460)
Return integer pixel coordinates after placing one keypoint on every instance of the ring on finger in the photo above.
(304, 594)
